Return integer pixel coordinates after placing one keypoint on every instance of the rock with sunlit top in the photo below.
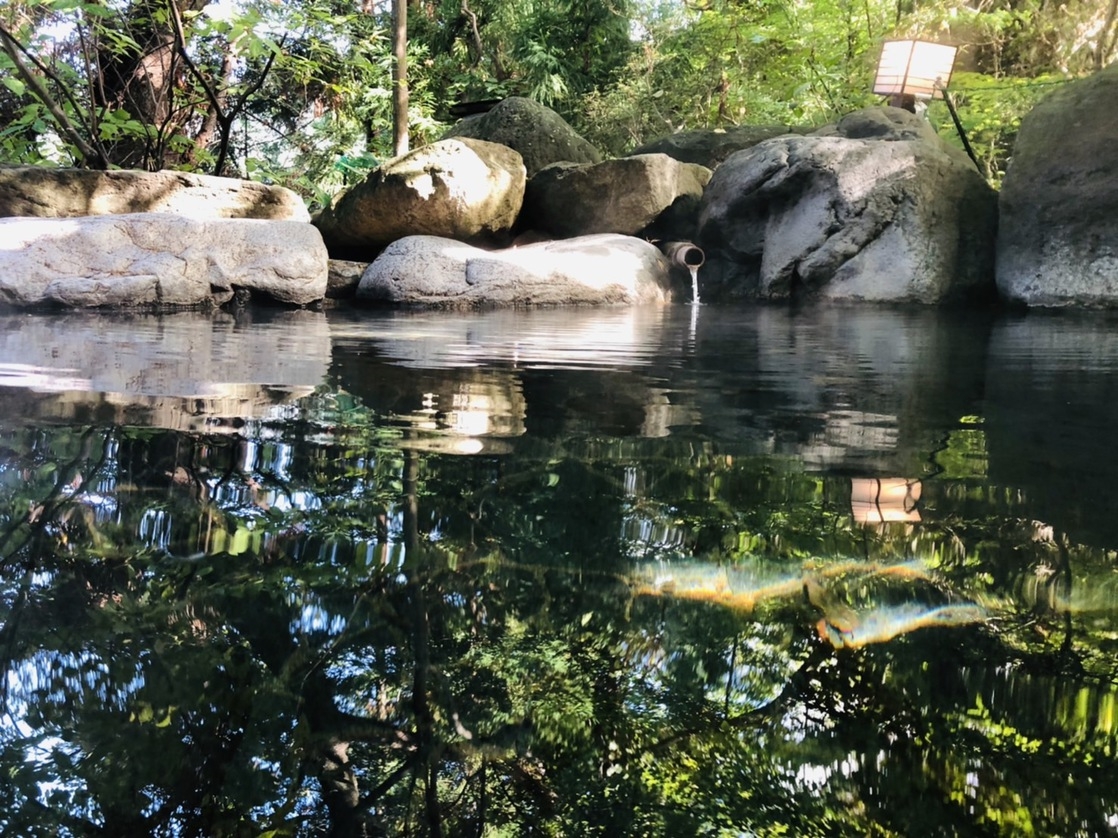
(41, 192)
(157, 260)
(536, 132)
(462, 189)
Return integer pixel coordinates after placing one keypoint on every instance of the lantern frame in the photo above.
(921, 69)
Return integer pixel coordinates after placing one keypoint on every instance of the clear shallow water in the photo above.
(679, 571)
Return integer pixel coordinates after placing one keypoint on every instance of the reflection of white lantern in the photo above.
(917, 69)
(877, 500)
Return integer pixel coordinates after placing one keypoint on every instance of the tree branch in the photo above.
(1107, 37)
(93, 154)
(373, 796)
(224, 118)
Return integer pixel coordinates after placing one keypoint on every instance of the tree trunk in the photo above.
(400, 77)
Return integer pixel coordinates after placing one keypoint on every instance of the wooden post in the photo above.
(906, 101)
(959, 126)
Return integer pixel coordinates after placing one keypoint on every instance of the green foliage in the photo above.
(752, 63)
(289, 92)
(713, 64)
(551, 52)
(991, 110)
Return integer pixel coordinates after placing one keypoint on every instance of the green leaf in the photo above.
(15, 85)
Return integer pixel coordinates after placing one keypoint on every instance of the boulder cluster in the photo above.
(512, 207)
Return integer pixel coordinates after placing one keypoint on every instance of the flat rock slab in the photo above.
(709, 147)
(156, 260)
(40, 192)
(590, 270)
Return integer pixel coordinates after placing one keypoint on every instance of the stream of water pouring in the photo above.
(694, 285)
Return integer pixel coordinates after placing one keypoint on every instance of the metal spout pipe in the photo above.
(684, 254)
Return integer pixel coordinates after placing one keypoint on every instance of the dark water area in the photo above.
(679, 571)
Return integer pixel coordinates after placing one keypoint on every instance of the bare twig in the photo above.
(225, 118)
(94, 120)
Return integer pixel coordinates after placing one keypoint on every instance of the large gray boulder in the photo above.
(625, 195)
(591, 270)
(157, 260)
(876, 208)
(709, 147)
(463, 189)
(1058, 233)
(540, 135)
(40, 192)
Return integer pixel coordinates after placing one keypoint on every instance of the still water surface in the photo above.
(681, 571)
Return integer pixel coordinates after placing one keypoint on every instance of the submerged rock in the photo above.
(439, 272)
(343, 278)
(157, 260)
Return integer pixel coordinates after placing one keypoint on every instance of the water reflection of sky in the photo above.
(583, 339)
(869, 392)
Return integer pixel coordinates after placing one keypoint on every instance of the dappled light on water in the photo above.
(883, 624)
(820, 589)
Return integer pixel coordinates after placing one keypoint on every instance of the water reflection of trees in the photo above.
(314, 627)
